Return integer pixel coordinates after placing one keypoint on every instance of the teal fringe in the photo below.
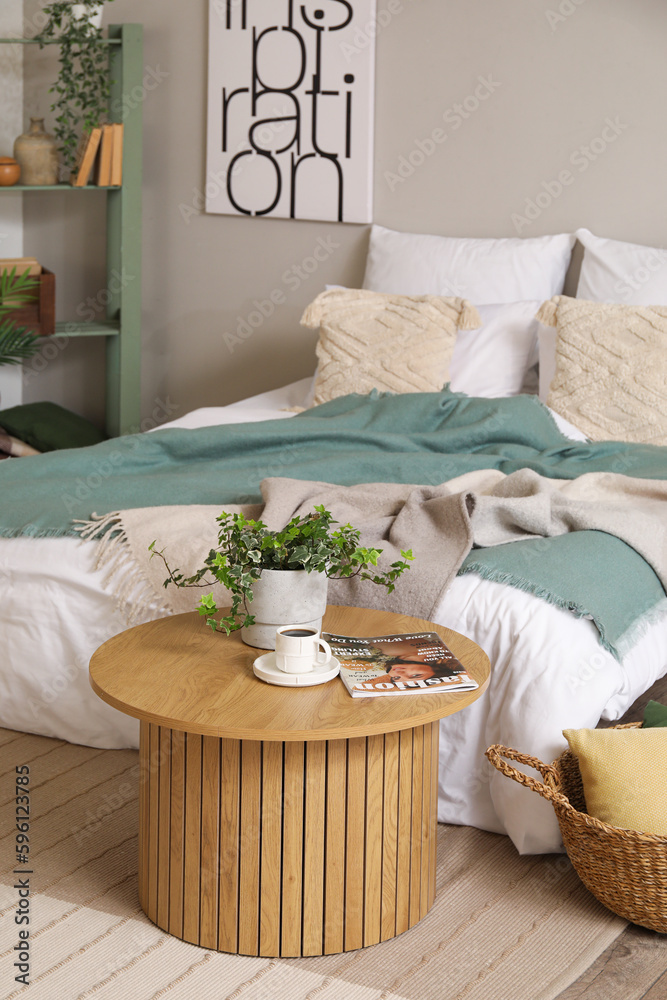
(640, 627)
(518, 582)
(618, 649)
(30, 531)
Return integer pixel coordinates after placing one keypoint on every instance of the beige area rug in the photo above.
(503, 927)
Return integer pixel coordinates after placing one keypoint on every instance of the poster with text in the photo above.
(291, 109)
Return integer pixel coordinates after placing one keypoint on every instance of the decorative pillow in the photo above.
(393, 343)
(613, 271)
(499, 358)
(655, 714)
(482, 270)
(611, 369)
(624, 774)
(546, 340)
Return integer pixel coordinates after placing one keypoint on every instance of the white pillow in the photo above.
(481, 270)
(613, 271)
(566, 428)
(497, 358)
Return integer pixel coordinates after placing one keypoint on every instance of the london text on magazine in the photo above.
(413, 663)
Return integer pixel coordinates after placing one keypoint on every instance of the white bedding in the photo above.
(548, 669)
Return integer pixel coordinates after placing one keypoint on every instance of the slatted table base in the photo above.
(287, 849)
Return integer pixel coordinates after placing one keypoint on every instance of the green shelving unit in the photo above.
(122, 328)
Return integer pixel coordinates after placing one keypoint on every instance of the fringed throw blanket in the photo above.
(616, 521)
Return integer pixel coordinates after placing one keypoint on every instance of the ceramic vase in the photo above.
(10, 171)
(285, 597)
(37, 154)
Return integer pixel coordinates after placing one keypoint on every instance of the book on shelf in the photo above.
(117, 155)
(86, 154)
(411, 663)
(103, 175)
(78, 156)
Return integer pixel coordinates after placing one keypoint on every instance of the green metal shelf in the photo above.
(122, 326)
(77, 329)
(58, 187)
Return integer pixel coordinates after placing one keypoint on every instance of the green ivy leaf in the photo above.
(246, 546)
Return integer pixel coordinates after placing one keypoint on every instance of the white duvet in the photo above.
(548, 670)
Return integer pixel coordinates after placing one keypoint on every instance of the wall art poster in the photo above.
(291, 109)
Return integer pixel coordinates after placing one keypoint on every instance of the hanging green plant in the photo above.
(16, 343)
(83, 87)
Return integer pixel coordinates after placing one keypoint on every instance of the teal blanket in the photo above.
(589, 573)
(424, 438)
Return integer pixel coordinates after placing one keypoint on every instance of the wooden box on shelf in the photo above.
(39, 316)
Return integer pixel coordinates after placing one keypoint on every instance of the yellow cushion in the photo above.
(624, 772)
(394, 343)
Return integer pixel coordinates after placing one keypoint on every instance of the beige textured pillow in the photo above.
(395, 343)
(611, 368)
(624, 774)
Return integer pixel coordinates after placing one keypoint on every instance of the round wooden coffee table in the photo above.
(279, 821)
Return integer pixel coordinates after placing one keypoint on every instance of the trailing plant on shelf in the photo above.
(17, 344)
(83, 87)
(246, 547)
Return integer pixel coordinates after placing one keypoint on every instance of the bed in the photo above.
(550, 671)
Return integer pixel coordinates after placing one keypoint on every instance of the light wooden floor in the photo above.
(635, 966)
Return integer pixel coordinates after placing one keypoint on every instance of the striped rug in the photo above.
(503, 927)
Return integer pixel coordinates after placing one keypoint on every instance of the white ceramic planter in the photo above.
(284, 597)
(80, 11)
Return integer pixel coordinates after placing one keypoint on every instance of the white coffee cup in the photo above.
(297, 649)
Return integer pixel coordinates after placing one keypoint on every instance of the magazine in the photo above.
(412, 663)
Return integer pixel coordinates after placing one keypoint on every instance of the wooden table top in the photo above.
(176, 672)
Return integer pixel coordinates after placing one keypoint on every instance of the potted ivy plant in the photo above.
(83, 87)
(283, 574)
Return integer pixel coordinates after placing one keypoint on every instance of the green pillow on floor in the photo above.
(47, 427)
(655, 714)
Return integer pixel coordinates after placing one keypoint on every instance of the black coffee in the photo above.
(299, 633)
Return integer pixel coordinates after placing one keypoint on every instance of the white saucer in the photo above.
(265, 668)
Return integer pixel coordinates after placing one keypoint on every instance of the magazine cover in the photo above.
(413, 663)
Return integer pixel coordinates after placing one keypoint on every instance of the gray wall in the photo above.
(557, 69)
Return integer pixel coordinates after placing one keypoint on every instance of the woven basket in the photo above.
(624, 869)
